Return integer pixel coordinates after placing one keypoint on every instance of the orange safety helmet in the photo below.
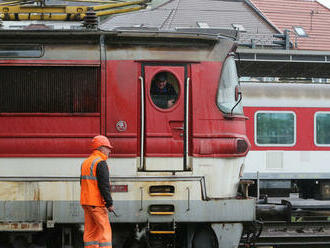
(100, 140)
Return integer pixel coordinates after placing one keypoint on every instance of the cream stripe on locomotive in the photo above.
(52, 170)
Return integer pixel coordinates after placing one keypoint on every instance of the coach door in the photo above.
(165, 127)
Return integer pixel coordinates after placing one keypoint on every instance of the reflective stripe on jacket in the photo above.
(90, 193)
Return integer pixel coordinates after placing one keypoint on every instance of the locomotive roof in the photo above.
(190, 34)
(283, 63)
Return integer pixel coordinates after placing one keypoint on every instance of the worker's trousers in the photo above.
(97, 228)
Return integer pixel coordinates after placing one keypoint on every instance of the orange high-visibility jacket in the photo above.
(90, 193)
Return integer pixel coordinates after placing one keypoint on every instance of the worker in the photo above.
(95, 196)
(162, 92)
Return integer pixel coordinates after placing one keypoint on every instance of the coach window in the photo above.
(228, 96)
(274, 128)
(164, 90)
(321, 128)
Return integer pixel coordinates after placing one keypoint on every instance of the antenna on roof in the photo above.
(284, 39)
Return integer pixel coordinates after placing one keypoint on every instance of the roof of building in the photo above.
(260, 19)
(312, 16)
(175, 14)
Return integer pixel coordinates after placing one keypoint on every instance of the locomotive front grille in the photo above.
(49, 89)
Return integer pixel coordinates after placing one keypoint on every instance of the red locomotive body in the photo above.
(60, 89)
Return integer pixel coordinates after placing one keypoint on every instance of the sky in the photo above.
(325, 2)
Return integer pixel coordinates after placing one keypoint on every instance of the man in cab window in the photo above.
(162, 92)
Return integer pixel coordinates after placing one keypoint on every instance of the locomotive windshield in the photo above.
(227, 97)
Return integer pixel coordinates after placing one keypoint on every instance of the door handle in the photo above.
(178, 128)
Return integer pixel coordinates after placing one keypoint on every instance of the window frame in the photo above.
(176, 104)
(281, 112)
(315, 134)
(237, 107)
(29, 47)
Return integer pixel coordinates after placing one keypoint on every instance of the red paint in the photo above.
(162, 136)
(68, 135)
(123, 104)
(304, 128)
(220, 147)
(211, 131)
(44, 147)
(53, 126)
(119, 188)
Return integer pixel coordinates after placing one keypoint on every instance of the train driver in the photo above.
(163, 93)
(95, 196)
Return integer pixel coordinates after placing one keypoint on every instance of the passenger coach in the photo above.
(288, 129)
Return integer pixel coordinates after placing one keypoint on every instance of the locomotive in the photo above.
(290, 143)
(174, 170)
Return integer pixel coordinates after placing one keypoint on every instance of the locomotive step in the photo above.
(161, 209)
(162, 229)
(162, 232)
(161, 190)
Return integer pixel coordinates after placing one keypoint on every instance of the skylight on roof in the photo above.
(300, 31)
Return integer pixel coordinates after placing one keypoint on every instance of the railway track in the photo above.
(290, 234)
(290, 222)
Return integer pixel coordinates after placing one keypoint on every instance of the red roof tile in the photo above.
(311, 15)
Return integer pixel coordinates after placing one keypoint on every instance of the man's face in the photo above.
(161, 84)
(105, 150)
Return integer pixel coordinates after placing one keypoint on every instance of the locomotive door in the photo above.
(165, 125)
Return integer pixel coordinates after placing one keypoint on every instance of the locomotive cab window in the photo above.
(34, 89)
(229, 96)
(274, 128)
(322, 127)
(164, 90)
